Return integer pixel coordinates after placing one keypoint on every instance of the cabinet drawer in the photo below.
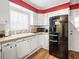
(7, 44)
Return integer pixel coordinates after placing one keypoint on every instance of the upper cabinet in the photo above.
(39, 19)
(42, 19)
(34, 19)
(4, 11)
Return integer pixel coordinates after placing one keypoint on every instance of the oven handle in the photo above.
(53, 40)
(52, 35)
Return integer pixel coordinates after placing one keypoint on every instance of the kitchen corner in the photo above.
(24, 44)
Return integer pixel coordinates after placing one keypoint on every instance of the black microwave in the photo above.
(42, 30)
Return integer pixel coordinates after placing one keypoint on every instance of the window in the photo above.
(18, 20)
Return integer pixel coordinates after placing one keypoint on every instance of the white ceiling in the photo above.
(45, 4)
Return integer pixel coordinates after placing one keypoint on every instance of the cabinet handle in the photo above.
(10, 46)
(6, 45)
(70, 33)
(15, 45)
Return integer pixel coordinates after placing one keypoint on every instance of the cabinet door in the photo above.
(35, 19)
(42, 19)
(23, 48)
(8, 52)
(33, 43)
(27, 46)
(43, 41)
(39, 41)
(0, 52)
(46, 41)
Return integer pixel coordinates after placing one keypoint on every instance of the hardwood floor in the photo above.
(73, 55)
(42, 54)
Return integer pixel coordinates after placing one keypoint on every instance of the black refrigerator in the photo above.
(58, 36)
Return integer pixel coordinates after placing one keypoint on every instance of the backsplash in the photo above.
(40, 26)
(18, 32)
(32, 28)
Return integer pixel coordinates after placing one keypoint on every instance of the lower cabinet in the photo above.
(8, 51)
(34, 43)
(26, 46)
(44, 41)
(40, 40)
(23, 48)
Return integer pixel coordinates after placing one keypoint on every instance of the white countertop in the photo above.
(18, 36)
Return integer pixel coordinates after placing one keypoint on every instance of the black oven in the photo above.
(42, 30)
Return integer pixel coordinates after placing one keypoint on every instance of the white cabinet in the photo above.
(34, 43)
(8, 51)
(26, 46)
(42, 19)
(40, 40)
(23, 48)
(39, 19)
(0, 51)
(43, 41)
(34, 19)
(46, 41)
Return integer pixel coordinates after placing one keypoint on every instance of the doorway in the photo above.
(58, 36)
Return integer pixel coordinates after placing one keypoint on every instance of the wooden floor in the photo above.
(73, 55)
(42, 54)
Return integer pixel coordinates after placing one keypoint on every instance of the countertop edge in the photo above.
(18, 37)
